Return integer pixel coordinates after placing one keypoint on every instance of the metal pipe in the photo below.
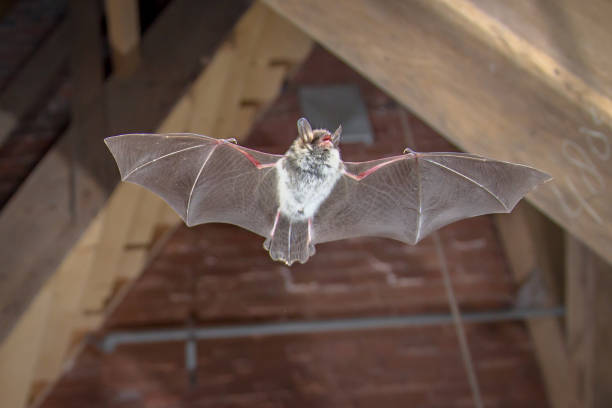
(113, 339)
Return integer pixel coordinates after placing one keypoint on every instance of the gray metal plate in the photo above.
(329, 106)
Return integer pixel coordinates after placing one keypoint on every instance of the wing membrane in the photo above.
(201, 178)
(408, 197)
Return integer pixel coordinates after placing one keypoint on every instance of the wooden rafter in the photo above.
(116, 245)
(78, 173)
(494, 84)
(34, 79)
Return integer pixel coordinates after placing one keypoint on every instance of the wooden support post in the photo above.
(534, 247)
(123, 33)
(589, 324)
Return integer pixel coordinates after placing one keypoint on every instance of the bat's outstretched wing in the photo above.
(203, 179)
(407, 197)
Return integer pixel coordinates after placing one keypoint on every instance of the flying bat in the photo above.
(309, 195)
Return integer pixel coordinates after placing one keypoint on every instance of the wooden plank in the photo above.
(589, 323)
(148, 221)
(43, 230)
(481, 94)
(19, 353)
(123, 34)
(63, 320)
(560, 35)
(118, 216)
(533, 246)
(34, 79)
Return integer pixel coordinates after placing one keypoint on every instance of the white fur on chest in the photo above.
(299, 199)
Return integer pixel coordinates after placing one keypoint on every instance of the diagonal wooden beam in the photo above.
(244, 76)
(42, 230)
(494, 85)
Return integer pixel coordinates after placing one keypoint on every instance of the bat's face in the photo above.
(318, 142)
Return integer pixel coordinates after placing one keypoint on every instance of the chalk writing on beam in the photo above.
(598, 143)
(576, 155)
(573, 211)
(591, 178)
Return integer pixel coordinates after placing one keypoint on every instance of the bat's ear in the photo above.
(336, 136)
(305, 130)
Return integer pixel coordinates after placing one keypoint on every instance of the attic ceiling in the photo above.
(249, 332)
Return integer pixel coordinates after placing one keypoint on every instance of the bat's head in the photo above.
(316, 140)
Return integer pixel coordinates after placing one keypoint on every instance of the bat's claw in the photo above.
(409, 150)
(231, 140)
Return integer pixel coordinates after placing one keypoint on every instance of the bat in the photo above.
(309, 195)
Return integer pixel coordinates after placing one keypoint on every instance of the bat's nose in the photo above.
(326, 143)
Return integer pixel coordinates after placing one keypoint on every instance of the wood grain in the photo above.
(19, 353)
(123, 34)
(570, 35)
(482, 94)
(533, 245)
(41, 218)
(589, 323)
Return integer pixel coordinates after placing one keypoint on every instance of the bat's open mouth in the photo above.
(326, 141)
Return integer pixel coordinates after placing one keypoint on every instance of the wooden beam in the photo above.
(113, 250)
(559, 41)
(88, 106)
(35, 79)
(485, 85)
(589, 323)
(115, 220)
(87, 73)
(534, 245)
(19, 353)
(43, 230)
(123, 34)
(62, 329)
